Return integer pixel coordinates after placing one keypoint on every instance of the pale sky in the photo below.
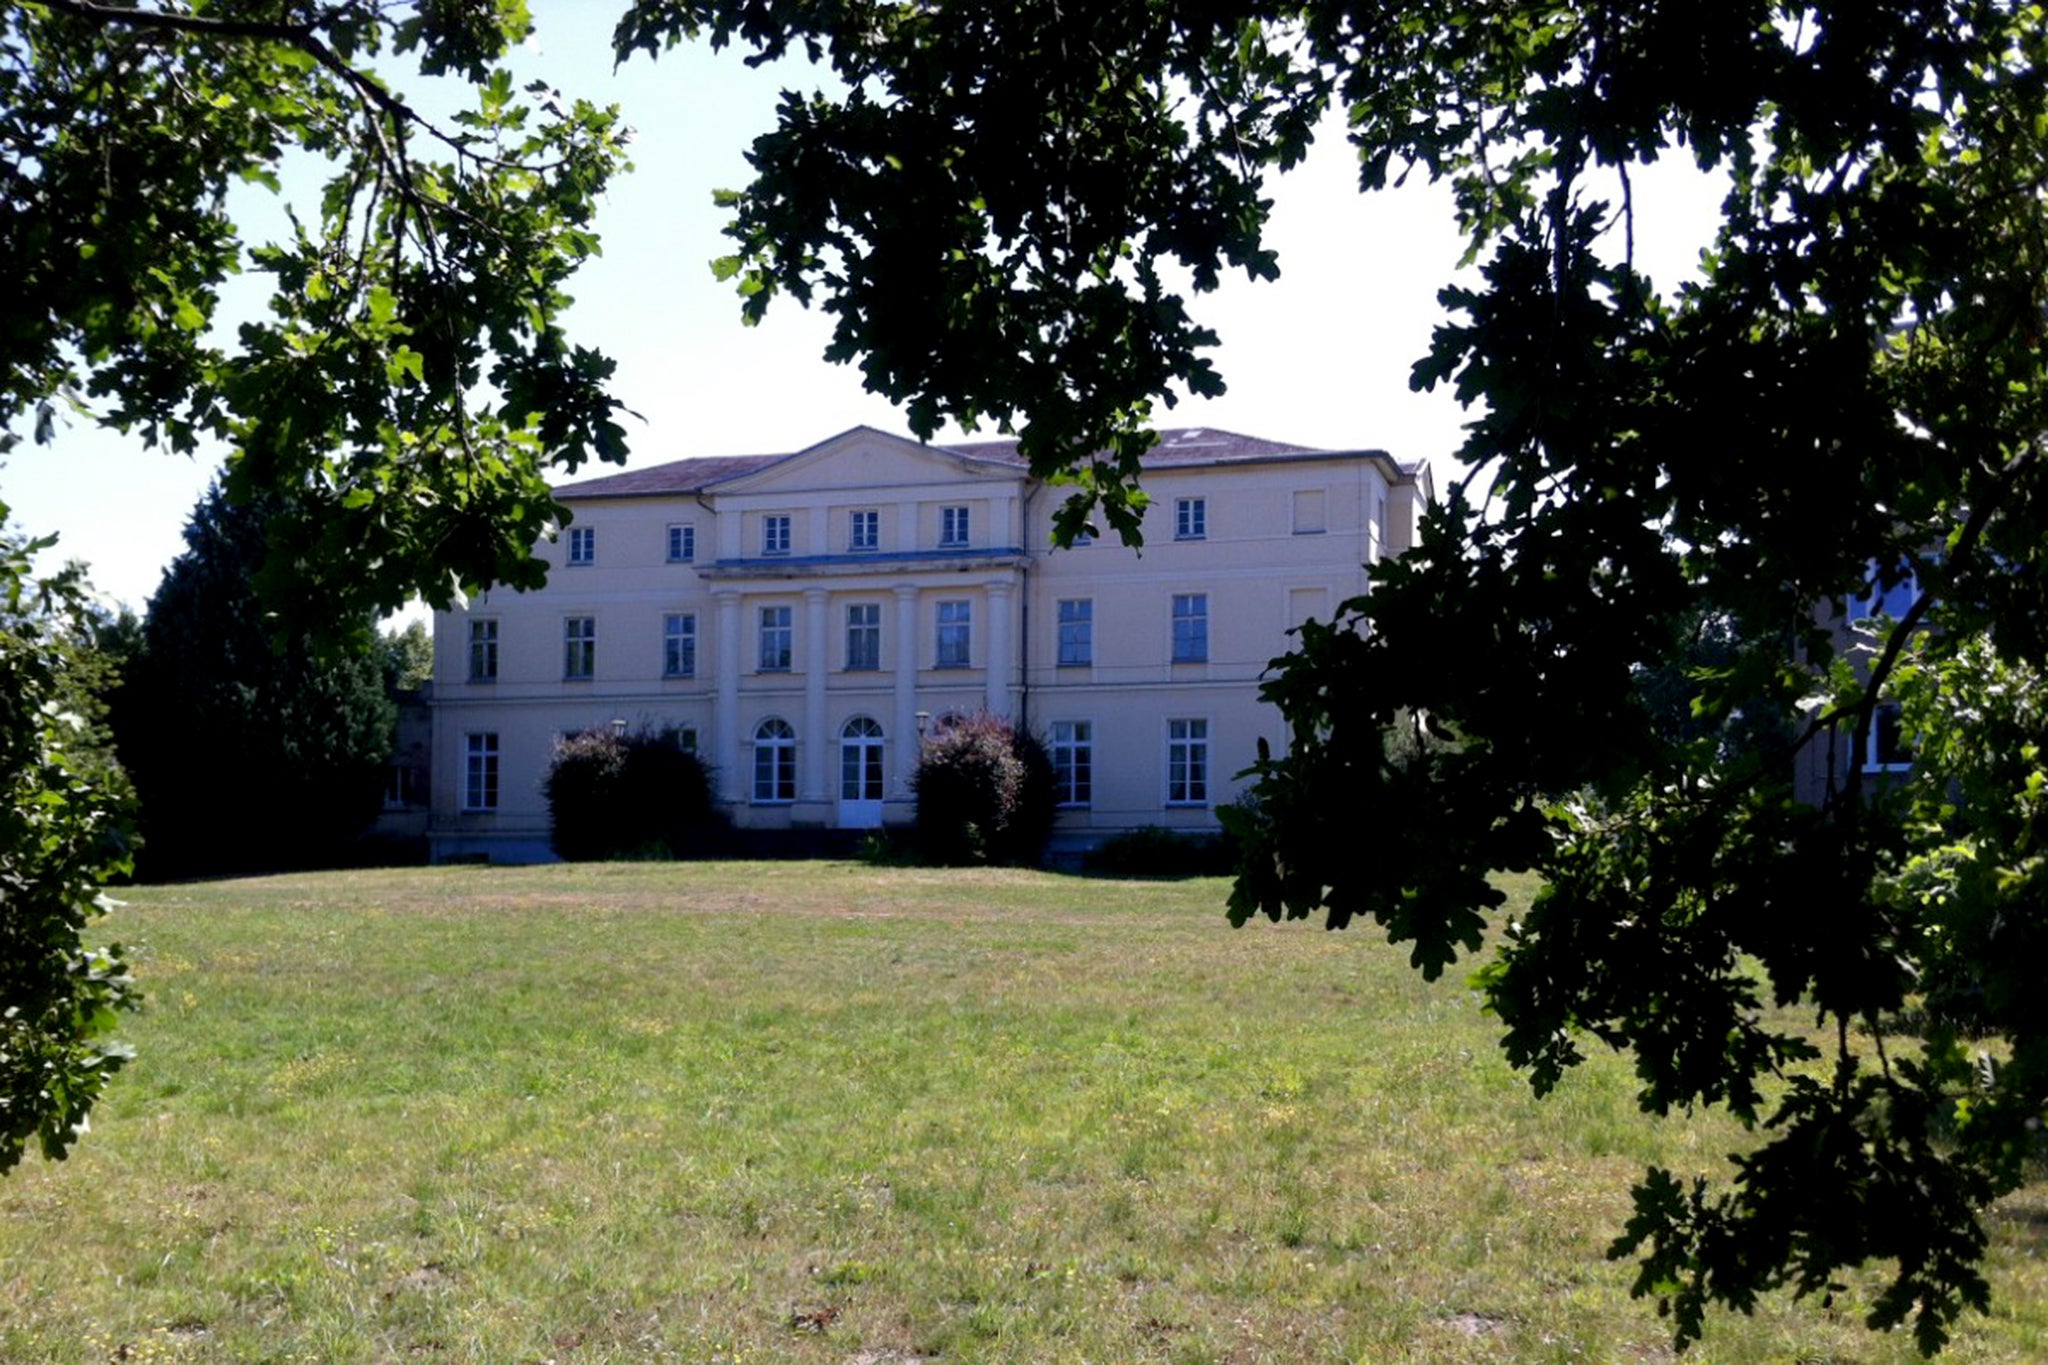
(1320, 358)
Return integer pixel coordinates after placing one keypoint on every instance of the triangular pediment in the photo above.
(864, 458)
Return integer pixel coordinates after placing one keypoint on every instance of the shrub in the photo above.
(618, 796)
(984, 794)
(1154, 851)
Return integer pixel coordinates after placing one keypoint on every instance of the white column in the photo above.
(814, 743)
(725, 716)
(998, 647)
(903, 736)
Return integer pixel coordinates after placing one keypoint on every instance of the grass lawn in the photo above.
(828, 1113)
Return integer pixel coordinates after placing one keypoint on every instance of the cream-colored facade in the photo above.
(802, 618)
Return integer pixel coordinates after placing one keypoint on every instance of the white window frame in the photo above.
(775, 533)
(679, 644)
(863, 530)
(774, 762)
(863, 764)
(582, 546)
(868, 629)
(480, 770)
(483, 649)
(682, 544)
(1072, 750)
(777, 640)
(1074, 644)
(1187, 761)
(1190, 628)
(1191, 518)
(579, 648)
(953, 646)
(956, 527)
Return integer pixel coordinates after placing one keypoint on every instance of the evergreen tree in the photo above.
(248, 752)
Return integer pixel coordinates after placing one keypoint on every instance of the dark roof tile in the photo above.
(677, 476)
(1179, 447)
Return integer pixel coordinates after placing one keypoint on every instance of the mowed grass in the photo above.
(828, 1113)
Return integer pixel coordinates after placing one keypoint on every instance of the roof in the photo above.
(1178, 448)
(677, 476)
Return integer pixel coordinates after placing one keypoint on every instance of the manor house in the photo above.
(801, 619)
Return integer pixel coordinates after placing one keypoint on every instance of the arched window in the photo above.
(774, 761)
(860, 760)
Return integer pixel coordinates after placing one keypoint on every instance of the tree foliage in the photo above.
(406, 657)
(249, 751)
(411, 383)
(1850, 391)
(63, 834)
(408, 388)
(1003, 208)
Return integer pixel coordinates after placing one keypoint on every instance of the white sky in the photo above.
(1320, 358)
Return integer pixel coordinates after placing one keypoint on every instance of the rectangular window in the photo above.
(774, 762)
(582, 544)
(1190, 518)
(682, 544)
(863, 637)
(776, 639)
(579, 646)
(1886, 750)
(775, 534)
(1073, 762)
(679, 645)
(483, 651)
(1187, 762)
(1191, 628)
(864, 530)
(952, 526)
(1077, 633)
(956, 625)
(1308, 512)
(480, 772)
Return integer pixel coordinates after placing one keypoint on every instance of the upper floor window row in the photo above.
(1190, 518)
(778, 538)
